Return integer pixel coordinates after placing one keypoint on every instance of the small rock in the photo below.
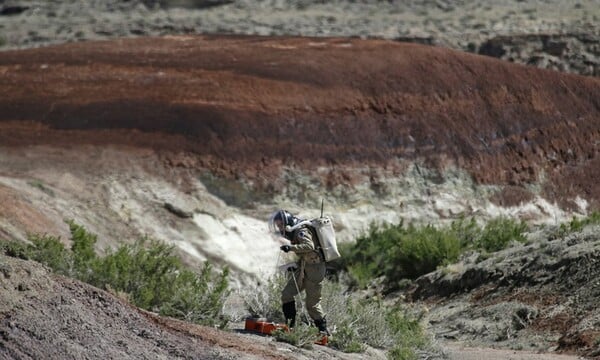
(177, 211)
(23, 287)
(5, 270)
(13, 10)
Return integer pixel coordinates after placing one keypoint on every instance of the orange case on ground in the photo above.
(263, 326)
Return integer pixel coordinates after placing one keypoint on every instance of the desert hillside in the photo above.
(161, 136)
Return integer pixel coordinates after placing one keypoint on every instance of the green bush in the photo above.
(577, 224)
(155, 279)
(344, 315)
(355, 323)
(499, 232)
(77, 262)
(148, 272)
(16, 249)
(83, 253)
(467, 231)
(409, 334)
(50, 251)
(400, 252)
(367, 258)
(302, 335)
(362, 322)
(198, 298)
(420, 251)
(264, 301)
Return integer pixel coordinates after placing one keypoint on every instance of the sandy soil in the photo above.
(459, 352)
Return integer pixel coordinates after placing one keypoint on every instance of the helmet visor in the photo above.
(277, 223)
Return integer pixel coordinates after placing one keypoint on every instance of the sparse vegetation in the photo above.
(50, 251)
(265, 300)
(409, 335)
(147, 271)
(577, 224)
(38, 184)
(151, 277)
(498, 233)
(303, 335)
(355, 323)
(14, 249)
(399, 252)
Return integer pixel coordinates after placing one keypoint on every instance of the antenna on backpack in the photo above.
(321, 207)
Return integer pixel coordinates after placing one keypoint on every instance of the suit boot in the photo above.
(289, 311)
(322, 326)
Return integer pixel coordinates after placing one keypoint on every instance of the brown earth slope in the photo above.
(46, 316)
(244, 105)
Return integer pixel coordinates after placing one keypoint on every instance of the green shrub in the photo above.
(499, 232)
(2, 41)
(400, 252)
(264, 301)
(577, 224)
(198, 298)
(362, 322)
(76, 262)
(155, 279)
(343, 313)
(367, 257)
(148, 272)
(409, 334)
(50, 251)
(83, 253)
(302, 335)
(355, 323)
(16, 249)
(420, 251)
(467, 231)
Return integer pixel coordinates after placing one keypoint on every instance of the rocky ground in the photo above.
(537, 299)
(538, 296)
(51, 317)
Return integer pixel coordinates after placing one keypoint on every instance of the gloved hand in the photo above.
(285, 248)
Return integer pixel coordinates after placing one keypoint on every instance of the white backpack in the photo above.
(323, 229)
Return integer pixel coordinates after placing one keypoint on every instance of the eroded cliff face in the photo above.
(195, 140)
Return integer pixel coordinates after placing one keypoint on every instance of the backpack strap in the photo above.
(316, 241)
(289, 228)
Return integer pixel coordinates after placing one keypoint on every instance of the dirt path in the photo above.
(459, 352)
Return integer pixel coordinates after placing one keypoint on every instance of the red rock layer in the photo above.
(243, 104)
